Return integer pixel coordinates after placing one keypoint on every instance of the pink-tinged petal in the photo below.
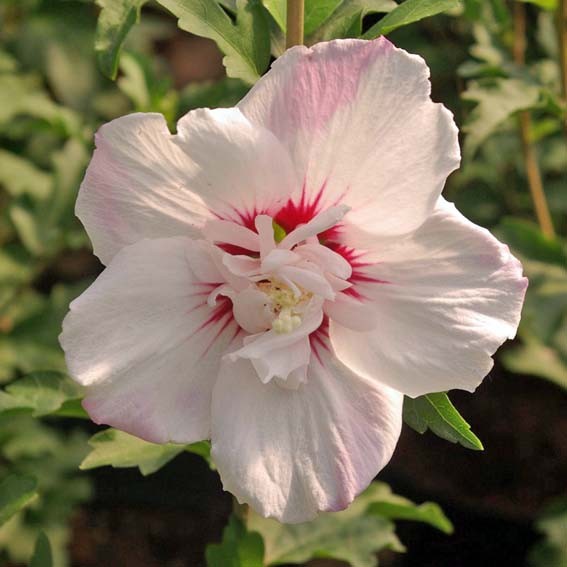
(136, 186)
(454, 295)
(144, 182)
(358, 121)
(243, 170)
(146, 344)
(291, 453)
(226, 232)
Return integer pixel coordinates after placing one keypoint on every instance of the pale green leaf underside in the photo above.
(121, 450)
(354, 535)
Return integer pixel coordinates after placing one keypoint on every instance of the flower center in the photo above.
(287, 305)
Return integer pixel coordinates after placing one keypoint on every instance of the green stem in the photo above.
(562, 36)
(533, 172)
(295, 23)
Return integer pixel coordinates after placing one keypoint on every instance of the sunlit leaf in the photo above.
(42, 393)
(19, 176)
(549, 5)
(238, 548)
(346, 20)
(437, 413)
(354, 535)
(16, 492)
(116, 19)
(389, 505)
(245, 43)
(409, 12)
(496, 101)
(120, 450)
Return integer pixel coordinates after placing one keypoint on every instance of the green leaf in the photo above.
(16, 492)
(116, 19)
(41, 392)
(346, 20)
(203, 449)
(549, 5)
(219, 94)
(525, 238)
(19, 176)
(552, 551)
(24, 95)
(144, 88)
(409, 12)
(353, 535)
(315, 13)
(15, 266)
(278, 11)
(246, 43)
(318, 11)
(239, 547)
(394, 507)
(437, 413)
(535, 358)
(42, 556)
(120, 450)
(497, 100)
(28, 227)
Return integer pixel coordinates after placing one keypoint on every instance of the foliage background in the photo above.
(61, 77)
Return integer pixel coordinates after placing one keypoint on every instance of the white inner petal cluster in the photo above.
(279, 291)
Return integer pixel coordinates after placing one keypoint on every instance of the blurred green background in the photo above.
(496, 65)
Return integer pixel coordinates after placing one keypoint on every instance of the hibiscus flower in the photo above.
(279, 274)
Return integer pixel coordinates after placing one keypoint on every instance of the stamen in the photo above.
(286, 304)
(286, 322)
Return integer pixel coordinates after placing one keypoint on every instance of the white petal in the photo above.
(251, 309)
(322, 222)
(242, 168)
(265, 228)
(326, 259)
(291, 453)
(307, 279)
(358, 121)
(352, 313)
(454, 295)
(145, 342)
(285, 363)
(260, 346)
(137, 186)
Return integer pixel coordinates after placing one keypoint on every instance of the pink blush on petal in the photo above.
(315, 92)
